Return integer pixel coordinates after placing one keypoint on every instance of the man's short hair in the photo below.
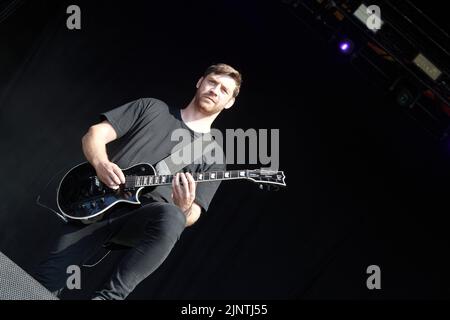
(225, 69)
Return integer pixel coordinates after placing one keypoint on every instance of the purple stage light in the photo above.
(346, 46)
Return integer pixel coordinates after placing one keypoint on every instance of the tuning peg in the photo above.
(269, 187)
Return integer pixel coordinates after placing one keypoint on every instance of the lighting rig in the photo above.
(394, 45)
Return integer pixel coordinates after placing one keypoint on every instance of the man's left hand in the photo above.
(183, 191)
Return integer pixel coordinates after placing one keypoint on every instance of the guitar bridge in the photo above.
(97, 181)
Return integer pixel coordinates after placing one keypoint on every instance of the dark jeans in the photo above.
(162, 225)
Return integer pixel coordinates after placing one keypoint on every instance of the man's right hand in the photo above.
(110, 174)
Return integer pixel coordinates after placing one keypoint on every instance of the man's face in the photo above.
(214, 93)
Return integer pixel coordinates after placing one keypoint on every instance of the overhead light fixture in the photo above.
(405, 92)
(346, 46)
(427, 66)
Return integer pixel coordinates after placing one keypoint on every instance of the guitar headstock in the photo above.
(267, 176)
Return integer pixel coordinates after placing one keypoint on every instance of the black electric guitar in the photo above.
(82, 196)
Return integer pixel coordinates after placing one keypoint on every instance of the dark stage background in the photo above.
(366, 183)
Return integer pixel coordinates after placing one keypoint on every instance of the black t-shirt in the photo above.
(144, 128)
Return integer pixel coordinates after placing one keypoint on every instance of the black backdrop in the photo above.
(366, 184)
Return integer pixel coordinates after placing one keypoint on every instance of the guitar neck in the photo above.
(158, 180)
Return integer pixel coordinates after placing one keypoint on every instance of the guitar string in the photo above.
(220, 175)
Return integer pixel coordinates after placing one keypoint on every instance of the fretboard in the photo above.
(155, 180)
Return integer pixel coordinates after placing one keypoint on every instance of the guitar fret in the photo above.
(140, 181)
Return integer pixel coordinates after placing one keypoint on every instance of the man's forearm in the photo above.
(192, 214)
(94, 149)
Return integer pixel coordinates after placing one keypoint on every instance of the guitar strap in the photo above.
(186, 155)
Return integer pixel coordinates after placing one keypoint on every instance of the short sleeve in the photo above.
(123, 118)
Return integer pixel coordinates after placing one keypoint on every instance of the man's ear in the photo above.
(230, 103)
(199, 82)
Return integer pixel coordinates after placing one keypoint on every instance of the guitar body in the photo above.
(82, 196)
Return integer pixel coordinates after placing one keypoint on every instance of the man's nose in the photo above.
(215, 90)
